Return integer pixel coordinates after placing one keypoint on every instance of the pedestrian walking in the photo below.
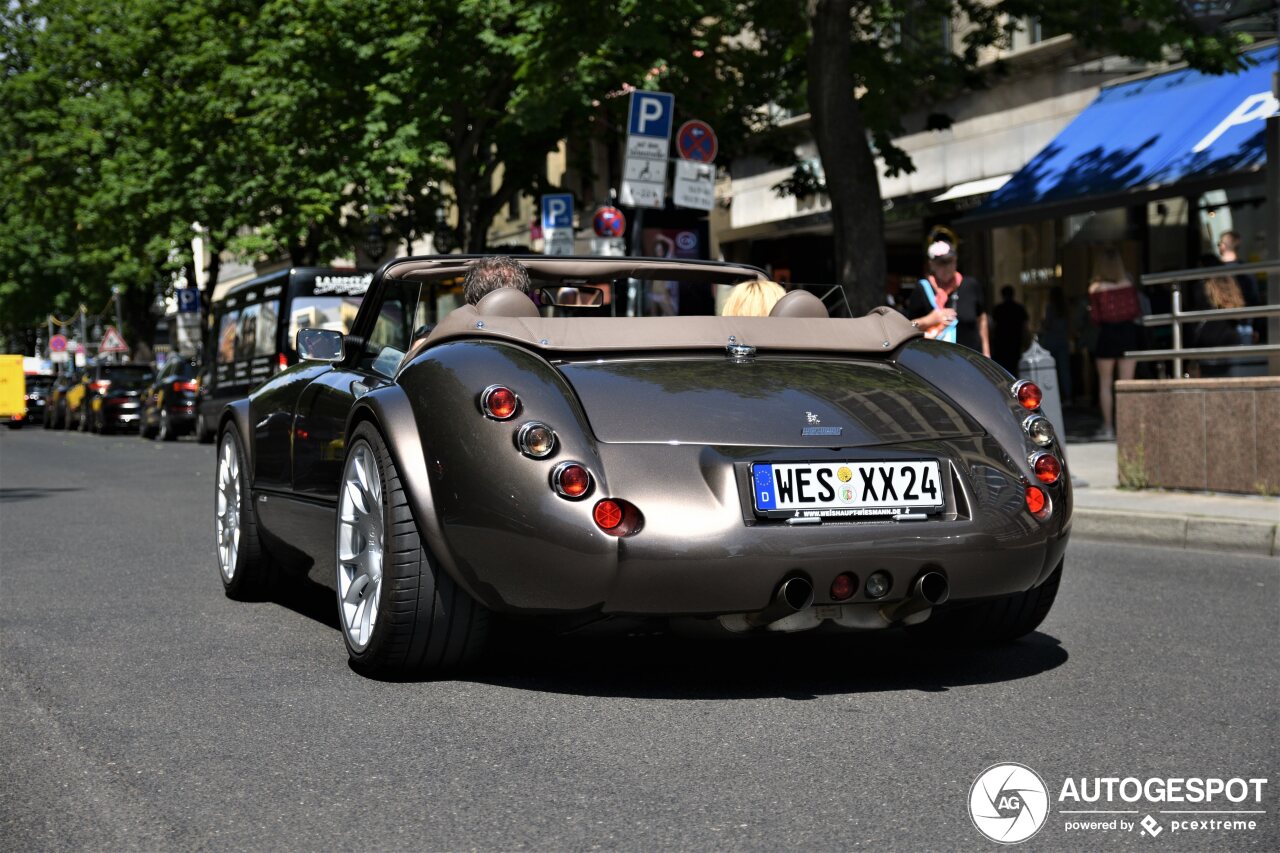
(949, 306)
(1115, 307)
(1012, 323)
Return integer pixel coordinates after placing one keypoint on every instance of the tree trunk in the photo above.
(847, 162)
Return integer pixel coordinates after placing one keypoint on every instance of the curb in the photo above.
(1167, 530)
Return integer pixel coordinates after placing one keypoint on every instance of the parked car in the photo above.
(37, 396)
(254, 326)
(738, 474)
(168, 403)
(55, 410)
(107, 396)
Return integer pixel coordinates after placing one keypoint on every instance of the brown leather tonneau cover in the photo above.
(883, 330)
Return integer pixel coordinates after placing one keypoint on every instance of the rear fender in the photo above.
(390, 411)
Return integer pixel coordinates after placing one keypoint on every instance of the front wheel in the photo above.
(244, 567)
(204, 434)
(399, 611)
(165, 431)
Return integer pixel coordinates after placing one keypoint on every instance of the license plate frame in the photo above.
(868, 488)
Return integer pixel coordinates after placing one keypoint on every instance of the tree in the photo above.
(865, 59)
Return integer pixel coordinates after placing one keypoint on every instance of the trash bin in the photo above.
(1038, 365)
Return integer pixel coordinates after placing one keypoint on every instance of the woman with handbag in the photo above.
(1115, 307)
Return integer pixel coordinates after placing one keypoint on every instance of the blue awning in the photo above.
(1151, 133)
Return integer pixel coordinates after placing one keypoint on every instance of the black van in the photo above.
(254, 327)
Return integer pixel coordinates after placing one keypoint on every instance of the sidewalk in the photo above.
(1210, 521)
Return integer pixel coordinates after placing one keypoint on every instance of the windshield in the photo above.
(127, 376)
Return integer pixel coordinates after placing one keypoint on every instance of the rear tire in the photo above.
(165, 431)
(400, 612)
(246, 572)
(998, 620)
(204, 435)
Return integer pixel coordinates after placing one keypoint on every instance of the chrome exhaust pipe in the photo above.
(930, 589)
(793, 595)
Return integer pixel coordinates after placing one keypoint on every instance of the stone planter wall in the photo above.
(1221, 435)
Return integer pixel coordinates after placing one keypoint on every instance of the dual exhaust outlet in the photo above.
(796, 594)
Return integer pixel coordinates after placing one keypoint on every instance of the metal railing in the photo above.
(1176, 317)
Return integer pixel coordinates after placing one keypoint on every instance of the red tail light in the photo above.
(498, 402)
(99, 386)
(283, 361)
(570, 480)
(1028, 394)
(1037, 501)
(617, 517)
(843, 586)
(1047, 467)
(184, 386)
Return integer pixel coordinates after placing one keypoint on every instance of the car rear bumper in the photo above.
(702, 551)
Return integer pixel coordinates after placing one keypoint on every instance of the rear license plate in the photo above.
(845, 489)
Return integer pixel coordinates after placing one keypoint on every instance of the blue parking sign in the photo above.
(651, 114)
(188, 300)
(557, 211)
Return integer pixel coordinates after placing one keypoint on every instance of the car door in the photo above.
(319, 449)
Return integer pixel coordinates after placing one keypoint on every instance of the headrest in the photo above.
(506, 302)
(800, 303)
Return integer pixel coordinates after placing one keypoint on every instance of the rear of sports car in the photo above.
(770, 491)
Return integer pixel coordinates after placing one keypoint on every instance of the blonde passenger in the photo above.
(752, 299)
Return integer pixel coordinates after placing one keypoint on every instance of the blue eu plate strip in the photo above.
(762, 477)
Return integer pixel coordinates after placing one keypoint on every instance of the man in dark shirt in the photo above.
(1011, 329)
(947, 305)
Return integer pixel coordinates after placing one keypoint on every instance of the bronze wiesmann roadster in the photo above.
(538, 455)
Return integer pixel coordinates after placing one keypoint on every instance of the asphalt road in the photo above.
(143, 710)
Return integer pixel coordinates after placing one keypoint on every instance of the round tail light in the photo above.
(1037, 501)
(843, 587)
(1028, 394)
(1047, 467)
(617, 517)
(570, 480)
(1039, 430)
(608, 514)
(536, 440)
(499, 402)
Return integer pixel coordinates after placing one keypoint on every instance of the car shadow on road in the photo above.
(792, 667)
(27, 494)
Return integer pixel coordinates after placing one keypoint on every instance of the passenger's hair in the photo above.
(491, 273)
(1006, 292)
(752, 299)
(1223, 291)
(1109, 266)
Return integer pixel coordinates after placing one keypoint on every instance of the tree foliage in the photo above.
(290, 127)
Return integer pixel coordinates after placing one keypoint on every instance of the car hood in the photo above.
(778, 402)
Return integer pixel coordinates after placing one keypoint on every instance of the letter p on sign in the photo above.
(650, 114)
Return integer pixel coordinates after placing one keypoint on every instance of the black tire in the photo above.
(165, 432)
(251, 574)
(998, 620)
(204, 435)
(60, 416)
(82, 422)
(145, 431)
(425, 622)
(100, 425)
(14, 424)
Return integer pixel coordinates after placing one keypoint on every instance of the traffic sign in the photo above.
(644, 176)
(650, 114)
(695, 185)
(58, 343)
(609, 222)
(695, 140)
(557, 211)
(557, 224)
(188, 300)
(112, 341)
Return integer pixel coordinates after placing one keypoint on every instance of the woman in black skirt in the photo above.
(1115, 306)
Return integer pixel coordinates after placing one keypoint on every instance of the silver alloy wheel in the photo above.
(227, 513)
(360, 546)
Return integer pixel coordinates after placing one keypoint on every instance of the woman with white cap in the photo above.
(947, 305)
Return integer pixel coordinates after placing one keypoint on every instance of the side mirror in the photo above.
(319, 345)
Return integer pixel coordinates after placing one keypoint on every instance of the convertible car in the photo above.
(562, 456)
